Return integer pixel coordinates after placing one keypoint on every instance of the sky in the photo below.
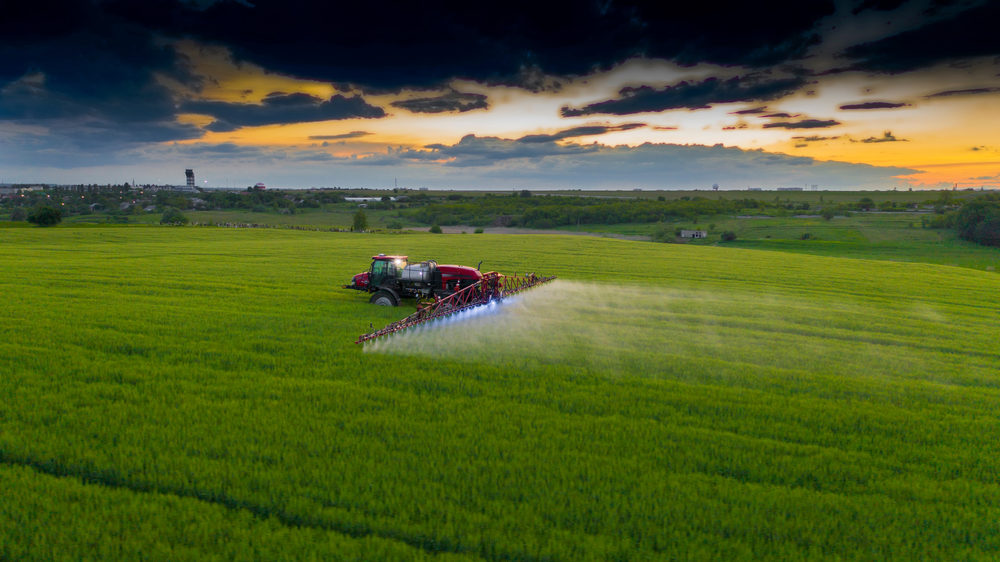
(842, 94)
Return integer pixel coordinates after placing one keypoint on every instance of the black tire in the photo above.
(384, 298)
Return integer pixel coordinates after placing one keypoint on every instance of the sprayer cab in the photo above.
(392, 278)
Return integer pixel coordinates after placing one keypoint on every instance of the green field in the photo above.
(181, 393)
(878, 236)
(333, 218)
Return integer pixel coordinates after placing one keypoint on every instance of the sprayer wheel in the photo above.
(383, 298)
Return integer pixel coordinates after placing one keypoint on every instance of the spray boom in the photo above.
(493, 287)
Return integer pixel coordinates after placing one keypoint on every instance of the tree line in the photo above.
(554, 211)
(979, 220)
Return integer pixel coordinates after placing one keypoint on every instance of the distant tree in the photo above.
(828, 213)
(525, 193)
(173, 216)
(979, 221)
(19, 214)
(44, 215)
(394, 225)
(865, 203)
(728, 236)
(478, 230)
(436, 229)
(360, 221)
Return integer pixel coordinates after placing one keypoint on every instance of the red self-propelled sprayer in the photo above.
(440, 290)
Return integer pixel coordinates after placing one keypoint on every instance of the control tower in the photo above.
(190, 177)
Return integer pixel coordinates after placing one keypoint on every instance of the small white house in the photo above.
(694, 234)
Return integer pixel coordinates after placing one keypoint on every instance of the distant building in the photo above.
(755, 189)
(791, 189)
(694, 234)
(189, 173)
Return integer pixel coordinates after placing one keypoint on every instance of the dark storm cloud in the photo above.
(472, 151)
(652, 165)
(878, 5)
(779, 116)
(482, 151)
(235, 153)
(690, 95)
(282, 108)
(429, 43)
(224, 149)
(312, 156)
(966, 34)
(873, 105)
(83, 50)
(804, 124)
(452, 101)
(814, 138)
(351, 135)
(751, 111)
(967, 92)
(586, 131)
(886, 137)
(74, 144)
(75, 67)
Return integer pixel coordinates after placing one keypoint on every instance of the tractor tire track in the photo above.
(426, 543)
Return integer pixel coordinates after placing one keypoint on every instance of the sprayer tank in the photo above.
(419, 272)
